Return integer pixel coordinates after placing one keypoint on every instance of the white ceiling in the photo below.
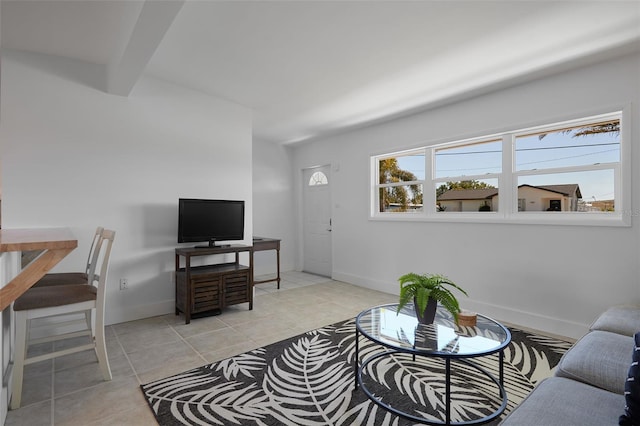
(311, 68)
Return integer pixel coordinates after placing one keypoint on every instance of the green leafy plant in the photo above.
(423, 287)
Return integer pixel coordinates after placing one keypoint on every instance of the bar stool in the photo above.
(52, 301)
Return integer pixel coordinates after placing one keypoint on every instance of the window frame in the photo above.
(508, 177)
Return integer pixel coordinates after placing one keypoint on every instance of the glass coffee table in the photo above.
(403, 339)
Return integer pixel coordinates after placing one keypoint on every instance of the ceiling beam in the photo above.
(154, 21)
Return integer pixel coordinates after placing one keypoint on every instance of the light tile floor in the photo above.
(70, 390)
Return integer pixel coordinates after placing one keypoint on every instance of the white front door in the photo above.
(317, 221)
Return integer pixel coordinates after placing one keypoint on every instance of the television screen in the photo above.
(210, 220)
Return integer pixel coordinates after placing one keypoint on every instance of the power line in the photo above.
(566, 158)
(497, 168)
(529, 149)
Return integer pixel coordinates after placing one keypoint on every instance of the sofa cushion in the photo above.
(631, 414)
(600, 358)
(622, 319)
(558, 401)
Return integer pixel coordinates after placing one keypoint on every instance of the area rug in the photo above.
(309, 380)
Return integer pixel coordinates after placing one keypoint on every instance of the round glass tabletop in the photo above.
(401, 330)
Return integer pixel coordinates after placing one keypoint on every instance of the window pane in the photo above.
(578, 146)
(318, 178)
(589, 191)
(401, 199)
(468, 196)
(403, 168)
(475, 159)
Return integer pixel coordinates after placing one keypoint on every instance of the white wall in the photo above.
(73, 156)
(273, 205)
(554, 278)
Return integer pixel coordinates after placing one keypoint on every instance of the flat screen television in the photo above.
(201, 220)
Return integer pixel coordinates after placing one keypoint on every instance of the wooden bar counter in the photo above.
(56, 243)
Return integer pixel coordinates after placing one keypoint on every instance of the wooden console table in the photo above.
(209, 288)
(260, 244)
(56, 243)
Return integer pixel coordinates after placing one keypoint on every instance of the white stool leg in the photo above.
(101, 349)
(20, 355)
(88, 317)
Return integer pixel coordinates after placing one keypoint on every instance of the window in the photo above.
(318, 178)
(568, 172)
(466, 177)
(400, 180)
(574, 167)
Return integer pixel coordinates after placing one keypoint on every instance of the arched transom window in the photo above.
(318, 178)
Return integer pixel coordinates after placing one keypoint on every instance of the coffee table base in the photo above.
(360, 383)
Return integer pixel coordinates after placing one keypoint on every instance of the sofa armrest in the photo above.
(621, 319)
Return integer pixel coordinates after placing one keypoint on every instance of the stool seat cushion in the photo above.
(47, 297)
(62, 278)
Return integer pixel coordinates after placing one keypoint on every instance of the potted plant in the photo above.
(427, 290)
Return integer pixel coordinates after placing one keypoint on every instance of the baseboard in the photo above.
(131, 313)
(552, 325)
(530, 320)
(382, 286)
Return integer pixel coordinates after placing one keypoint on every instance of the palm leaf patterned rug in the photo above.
(309, 380)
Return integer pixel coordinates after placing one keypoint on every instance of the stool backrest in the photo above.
(100, 280)
(94, 253)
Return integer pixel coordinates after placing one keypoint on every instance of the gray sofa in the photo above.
(588, 385)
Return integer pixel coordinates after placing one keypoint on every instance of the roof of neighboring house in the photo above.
(487, 193)
(468, 194)
(570, 189)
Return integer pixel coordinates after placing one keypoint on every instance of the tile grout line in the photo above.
(124, 352)
(186, 343)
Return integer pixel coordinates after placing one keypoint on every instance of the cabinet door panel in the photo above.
(207, 295)
(236, 288)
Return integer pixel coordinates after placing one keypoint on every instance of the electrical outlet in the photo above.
(124, 284)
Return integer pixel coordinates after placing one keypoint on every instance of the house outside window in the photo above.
(468, 200)
(522, 204)
(566, 172)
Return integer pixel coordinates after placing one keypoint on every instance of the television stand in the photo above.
(213, 246)
(207, 289)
